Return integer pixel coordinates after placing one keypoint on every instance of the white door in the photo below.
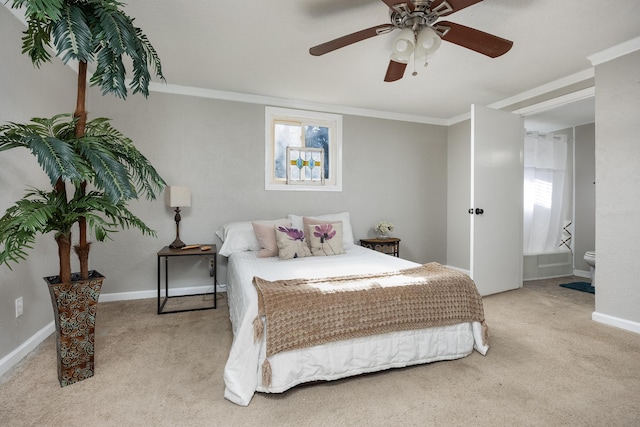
(497, 140)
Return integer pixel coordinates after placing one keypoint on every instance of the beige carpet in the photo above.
(548, 365)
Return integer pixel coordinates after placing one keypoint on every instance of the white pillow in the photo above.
(347, 231)
(237, 237)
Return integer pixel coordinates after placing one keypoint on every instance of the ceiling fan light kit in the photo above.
(421, 33)
(403, 46)
(428, 41)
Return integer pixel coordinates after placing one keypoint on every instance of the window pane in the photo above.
(318, 137)
(285, 135)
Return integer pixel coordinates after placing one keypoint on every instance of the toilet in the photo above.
(590, 258)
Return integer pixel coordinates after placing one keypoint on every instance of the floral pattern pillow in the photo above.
(291, 243)
(326, 239)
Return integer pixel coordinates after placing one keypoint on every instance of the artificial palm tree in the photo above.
(87, 31)
(101, 167)
(102, 157)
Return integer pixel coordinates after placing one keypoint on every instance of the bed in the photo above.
(244, 372)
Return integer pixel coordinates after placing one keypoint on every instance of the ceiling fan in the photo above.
(421, 33)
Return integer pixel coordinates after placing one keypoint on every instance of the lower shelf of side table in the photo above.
(165, 299)
(167, 253)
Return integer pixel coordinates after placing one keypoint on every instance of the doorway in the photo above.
(575, 120)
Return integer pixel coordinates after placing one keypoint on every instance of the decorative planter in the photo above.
(74, 309)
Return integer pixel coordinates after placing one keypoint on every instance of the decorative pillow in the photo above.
(237, 237)
(266, 235)
(291, 243)
(345, 217)
(326, 239)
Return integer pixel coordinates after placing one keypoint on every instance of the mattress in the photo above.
(333, 360)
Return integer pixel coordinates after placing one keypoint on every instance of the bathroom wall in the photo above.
(585, 195)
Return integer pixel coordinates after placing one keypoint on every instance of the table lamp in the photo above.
(175, 197)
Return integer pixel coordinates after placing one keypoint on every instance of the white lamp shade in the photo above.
(403, 46)
(427, 44)
(175, 196)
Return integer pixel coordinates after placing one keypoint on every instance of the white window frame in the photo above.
(332, 121)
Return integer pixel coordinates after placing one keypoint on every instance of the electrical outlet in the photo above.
(212, 268)
(19, 307)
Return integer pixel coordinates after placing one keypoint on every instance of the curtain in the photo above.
(545, 169)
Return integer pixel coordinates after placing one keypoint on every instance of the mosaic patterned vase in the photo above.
(74, 307)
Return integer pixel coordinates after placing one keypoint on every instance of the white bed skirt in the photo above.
(347, 358)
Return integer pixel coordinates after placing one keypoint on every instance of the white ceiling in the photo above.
(260, 47)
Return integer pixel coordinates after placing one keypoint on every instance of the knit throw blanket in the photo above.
(301, 313)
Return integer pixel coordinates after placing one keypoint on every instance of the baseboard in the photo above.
(467, 272)
(544, 278)
(616, 322)
(125, 296)
(582, 273)
(13, 358)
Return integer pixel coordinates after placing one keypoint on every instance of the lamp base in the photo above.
(177, 244)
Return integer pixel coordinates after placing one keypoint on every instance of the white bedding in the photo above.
(330, 361)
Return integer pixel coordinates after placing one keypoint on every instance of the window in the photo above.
(303, 150)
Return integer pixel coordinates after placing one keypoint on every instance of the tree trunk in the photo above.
(64, 255)
(82, 249)
(80, 112)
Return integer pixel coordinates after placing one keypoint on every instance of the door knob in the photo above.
(479, 211)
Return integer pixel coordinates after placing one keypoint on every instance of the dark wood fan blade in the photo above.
(395, 71)
(481, 42)
(343, 41)
(392, 3)
(456, 5)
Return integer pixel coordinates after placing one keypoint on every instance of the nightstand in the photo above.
(167, 253)
(389, 245)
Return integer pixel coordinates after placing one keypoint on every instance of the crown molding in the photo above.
(537, 91)
(557, 102)
(290, 103)
(614, 52)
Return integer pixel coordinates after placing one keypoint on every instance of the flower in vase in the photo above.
(383, 228)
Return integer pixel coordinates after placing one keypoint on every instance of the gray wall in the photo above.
(459, 195)
(617, 189)
(585, 194)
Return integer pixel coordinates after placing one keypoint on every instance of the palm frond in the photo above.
(146, 179)
(56, 157)
(105, 217)
(146, 55)
(41, 10)
(109, 174)
(72, 36)
(126, 219)
(38, 212)
(35, 41)
(110, 73)
(115, 28)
